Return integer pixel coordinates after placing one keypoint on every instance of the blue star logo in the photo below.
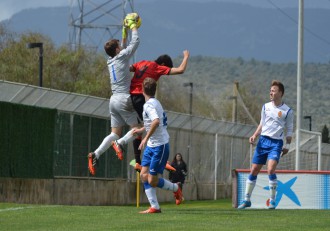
(285, 189)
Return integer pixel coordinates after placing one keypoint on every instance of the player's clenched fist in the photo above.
(132, 20)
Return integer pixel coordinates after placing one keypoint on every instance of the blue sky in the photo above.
(9, 7)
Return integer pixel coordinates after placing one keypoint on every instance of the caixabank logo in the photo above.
(285, 189)
(295, 190)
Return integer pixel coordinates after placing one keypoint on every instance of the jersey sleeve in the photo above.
(151, 111)
(262, 117)
(163, 70)
(133, 45)
(289, 124)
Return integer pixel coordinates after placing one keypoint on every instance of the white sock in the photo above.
(249, 188)
(169, 185)
(105, 145)
(272, 188)
(128, 137)
(152, 197)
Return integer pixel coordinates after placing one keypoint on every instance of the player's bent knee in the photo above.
(153, 184)
(144, 177)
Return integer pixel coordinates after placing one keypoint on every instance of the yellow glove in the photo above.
(132, 20)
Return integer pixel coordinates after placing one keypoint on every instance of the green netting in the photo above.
(62, 145)
(109, 165)
(79, 146)
(27, 140)
(43, 143)
(78, 135)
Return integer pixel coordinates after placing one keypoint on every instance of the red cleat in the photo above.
(138, 167)
(91, 163)
(169, 167)
(118, 149)
(151, 210)
(178, 194)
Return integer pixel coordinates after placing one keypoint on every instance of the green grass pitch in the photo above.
(192, 215)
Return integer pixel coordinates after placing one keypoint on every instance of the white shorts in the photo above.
(122, 111)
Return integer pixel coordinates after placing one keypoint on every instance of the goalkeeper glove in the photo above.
(132, 21)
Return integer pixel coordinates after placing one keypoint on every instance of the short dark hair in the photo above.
(164, 60)
(149, 86)
(111, 46)
(279, 85)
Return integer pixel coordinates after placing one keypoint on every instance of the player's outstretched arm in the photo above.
(181, 69)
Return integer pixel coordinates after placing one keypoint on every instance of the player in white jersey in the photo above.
(276, 118)
(156, 152)
(121, 107)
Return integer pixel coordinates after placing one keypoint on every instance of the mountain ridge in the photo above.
(216, 29)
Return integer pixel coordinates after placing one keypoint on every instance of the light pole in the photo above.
(310, 121)
(41, 51)
(190, 84)
(191, 93)
(234, 112)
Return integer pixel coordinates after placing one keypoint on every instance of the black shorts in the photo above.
(138, 102)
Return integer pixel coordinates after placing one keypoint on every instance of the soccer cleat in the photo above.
(151, 210)
(138, 167)
(119, 149)
(244, 205)
(178, 194)
(169, 167)
(92, 162)
(271, 204)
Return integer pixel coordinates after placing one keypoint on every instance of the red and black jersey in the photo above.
(144, 69)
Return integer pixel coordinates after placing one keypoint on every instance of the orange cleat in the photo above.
(119, 150)
(138, 167)
(92, 160)
(178, 194)
(169, 167)
(151, 210)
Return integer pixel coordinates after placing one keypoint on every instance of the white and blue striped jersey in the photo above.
(275, 120)
(152, 110)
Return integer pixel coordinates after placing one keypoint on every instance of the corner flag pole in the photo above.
(137, 189)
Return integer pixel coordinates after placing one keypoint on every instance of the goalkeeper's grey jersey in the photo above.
(120, 76)
(152, 110)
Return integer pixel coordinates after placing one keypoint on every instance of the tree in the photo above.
(325, 134)
(81, 71)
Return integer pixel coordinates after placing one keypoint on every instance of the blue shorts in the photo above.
(267, 148)
(156, 158)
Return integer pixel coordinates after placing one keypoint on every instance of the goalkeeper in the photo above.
(121, 108)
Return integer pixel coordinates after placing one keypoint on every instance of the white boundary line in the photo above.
(28, 207)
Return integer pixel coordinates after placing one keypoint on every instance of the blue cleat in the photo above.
(244, 205)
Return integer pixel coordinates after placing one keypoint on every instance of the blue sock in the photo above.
(161, 183)
(272, 177)
(167, 185)
(252, 178)
(146, 185)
